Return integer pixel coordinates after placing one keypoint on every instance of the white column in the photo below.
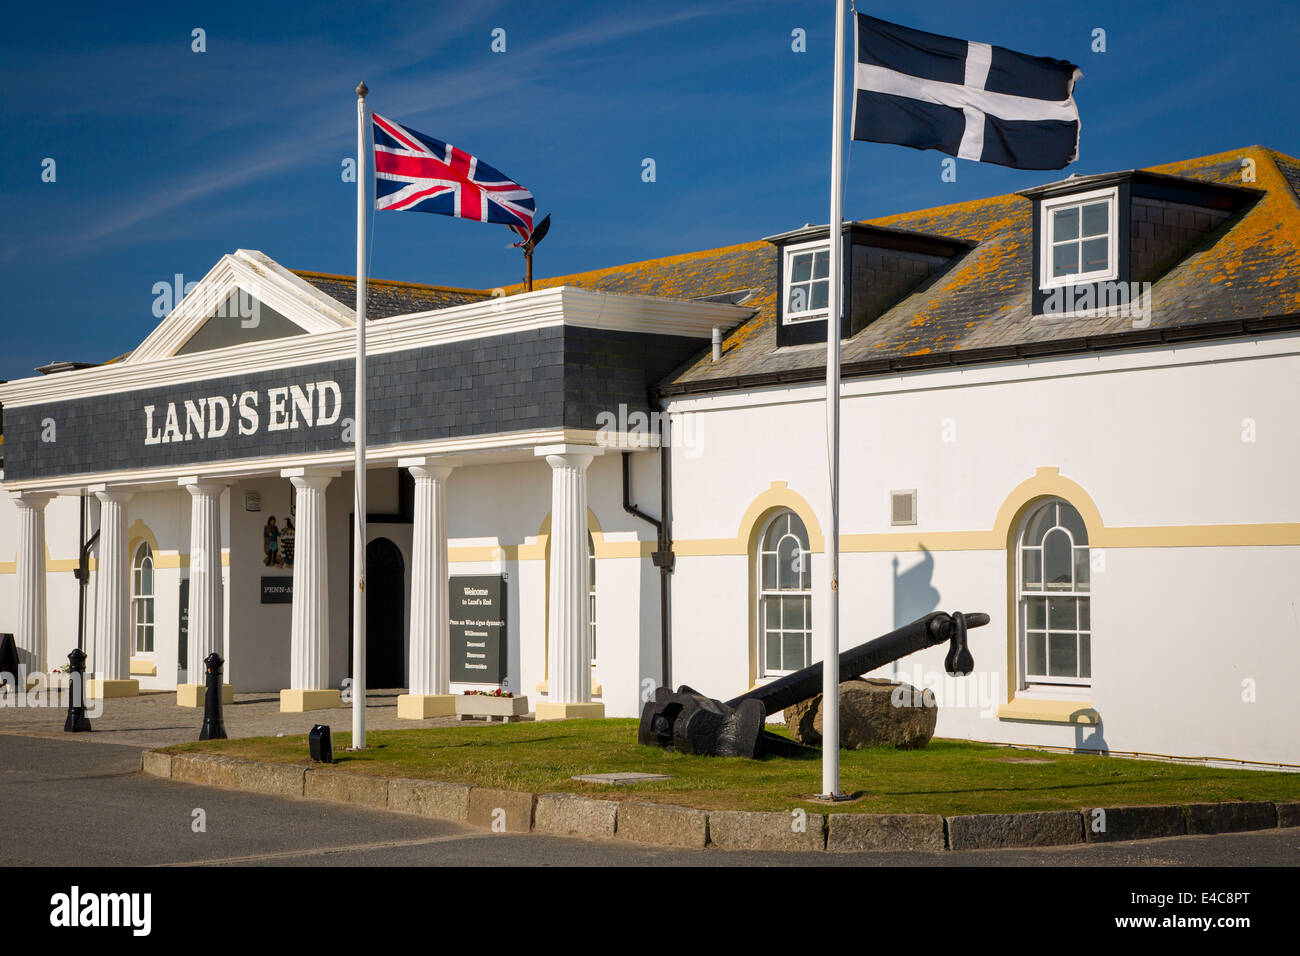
(206, 603)
(30, 636)
(430, 658)
(111, 658)
(567, 625)
(309, 655)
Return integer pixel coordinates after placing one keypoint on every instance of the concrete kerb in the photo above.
(664, 824)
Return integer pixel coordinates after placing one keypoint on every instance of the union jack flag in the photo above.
(415, 171)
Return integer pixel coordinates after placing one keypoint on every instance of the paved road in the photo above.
(80, 803)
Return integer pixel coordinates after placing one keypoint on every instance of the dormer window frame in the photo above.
(787, 281)
(1112, 196)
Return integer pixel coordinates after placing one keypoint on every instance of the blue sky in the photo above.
(167, 158)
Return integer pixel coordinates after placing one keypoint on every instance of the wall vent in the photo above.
(902, 507)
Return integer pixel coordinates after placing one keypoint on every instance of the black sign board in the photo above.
(277, 590)
(183, 634)
(478, 628)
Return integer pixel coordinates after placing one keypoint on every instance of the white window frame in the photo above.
(1047, 682)
(139, 600)
(1047, 207)
(819, 245)
(760, 610)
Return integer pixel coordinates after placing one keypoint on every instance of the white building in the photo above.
(1113, 485)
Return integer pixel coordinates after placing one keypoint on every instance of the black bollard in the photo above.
(77, 722)
(214, 727)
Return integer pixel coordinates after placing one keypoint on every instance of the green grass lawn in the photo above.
(948, 776)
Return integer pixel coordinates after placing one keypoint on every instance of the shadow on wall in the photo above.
(914, 595)
(1094, 741)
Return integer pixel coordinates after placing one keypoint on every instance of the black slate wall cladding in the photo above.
(542, 378)
(604, 370)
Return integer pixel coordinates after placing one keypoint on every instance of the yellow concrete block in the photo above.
(145, 668)
(420, 706)
(1049, 711)
(298, 701)
(193, 695)
(108, 689)
(556, 710)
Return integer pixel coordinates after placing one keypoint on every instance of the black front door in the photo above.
(385, 614)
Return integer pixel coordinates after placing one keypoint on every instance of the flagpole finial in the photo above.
(362, 89)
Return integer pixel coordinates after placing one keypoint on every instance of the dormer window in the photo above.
(1081, 238)
(807, 281)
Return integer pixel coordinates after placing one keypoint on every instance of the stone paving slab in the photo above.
(1109, 824)
(429, 798)
(741, 830)
(567, 813)
(663, 824)
(988, 831)
(1230, 817)
(884, 831)
(1288, 814)
(361, 789)
(502, 811)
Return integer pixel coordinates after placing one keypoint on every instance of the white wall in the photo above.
(1154, 439)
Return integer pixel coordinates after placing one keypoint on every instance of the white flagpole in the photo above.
(831, 651)
(359, 442)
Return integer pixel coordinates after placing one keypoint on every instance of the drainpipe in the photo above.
(82, 573)
(663, 556)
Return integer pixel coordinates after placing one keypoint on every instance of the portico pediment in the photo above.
(247, 297)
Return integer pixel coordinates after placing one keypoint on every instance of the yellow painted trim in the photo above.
(1049, 711)
(1046, 483)
(486, 552)
(544, 687)
(779, 495)
(144, 667)
(139, 531)
(183, 560)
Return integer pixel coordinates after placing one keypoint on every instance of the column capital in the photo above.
(202, 486)
(578, 456)
(108, 493)
(317, 478)
(36, 500)
(436, 469)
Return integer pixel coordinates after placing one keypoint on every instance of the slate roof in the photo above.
(1242, 278)
(1233, 282)
(386, 298)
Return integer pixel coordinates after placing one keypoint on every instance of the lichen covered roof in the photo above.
(1247, 269)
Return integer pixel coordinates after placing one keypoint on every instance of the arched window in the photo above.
(591, 594)
(1055, 615)
(784, 596)
(142, 598)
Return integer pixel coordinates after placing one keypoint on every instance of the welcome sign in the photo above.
(478, 628)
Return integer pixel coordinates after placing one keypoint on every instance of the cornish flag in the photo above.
(967, 99)
(415, 171)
